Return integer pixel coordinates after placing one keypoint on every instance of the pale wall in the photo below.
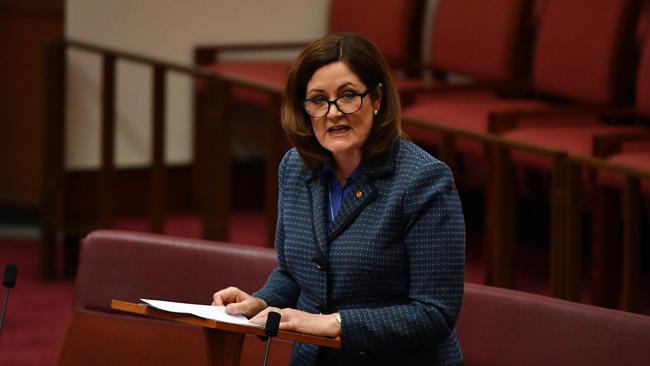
(168, 30)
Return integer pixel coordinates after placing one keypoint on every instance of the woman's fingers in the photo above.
(247, 307)
(260, 318)
(303, 322)
(228, 295)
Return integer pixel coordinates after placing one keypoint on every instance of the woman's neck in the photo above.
(345, 164)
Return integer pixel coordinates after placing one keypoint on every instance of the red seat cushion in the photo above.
(643, 78)
(574, 136)
(464, 111)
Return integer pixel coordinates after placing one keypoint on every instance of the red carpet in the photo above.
(37, 312)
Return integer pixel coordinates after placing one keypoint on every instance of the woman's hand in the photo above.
(237, 301)
(324, 325)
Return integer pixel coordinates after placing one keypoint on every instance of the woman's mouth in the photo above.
(338, 130)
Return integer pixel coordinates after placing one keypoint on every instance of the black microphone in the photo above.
(271, 330)
(8, 281)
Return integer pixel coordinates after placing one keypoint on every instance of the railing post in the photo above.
(500, 220)
(216, 188)
(52, 196)
(273, 157)
(573, 233)
(558, 219)
(107, 172)
(157, 174)
(631, 242)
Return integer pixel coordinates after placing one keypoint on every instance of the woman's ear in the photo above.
(376, 103)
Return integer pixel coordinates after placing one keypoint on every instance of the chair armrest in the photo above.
(501, 121)
(605, 145)
(209, 53)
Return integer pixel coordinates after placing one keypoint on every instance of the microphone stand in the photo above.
(271, 330)
(8, 282)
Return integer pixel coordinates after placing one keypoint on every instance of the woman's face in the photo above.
(340, 133)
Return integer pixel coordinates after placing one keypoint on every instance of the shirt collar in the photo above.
(328, 173)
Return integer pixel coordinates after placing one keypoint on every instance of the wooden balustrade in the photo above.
(216, 179)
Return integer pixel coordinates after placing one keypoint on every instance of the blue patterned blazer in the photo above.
(392, 264)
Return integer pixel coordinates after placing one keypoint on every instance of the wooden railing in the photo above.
(565, 247)
(215, 164)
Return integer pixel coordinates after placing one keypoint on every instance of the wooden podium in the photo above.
(223, 340)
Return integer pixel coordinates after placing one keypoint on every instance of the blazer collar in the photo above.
(378, 166)
(360, 194)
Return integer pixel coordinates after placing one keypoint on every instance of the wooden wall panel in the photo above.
(25, 27)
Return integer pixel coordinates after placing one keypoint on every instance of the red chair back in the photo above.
(584, 49)
(485, 39)
(394, 26)
(643, 80)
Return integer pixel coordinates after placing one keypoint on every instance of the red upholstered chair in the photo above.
(620, 198)
(394, 26)
(507, 328)
(574, 133)
(580, 58)
(253, 87)
(489, 42)
(119, 265)
(618, 223)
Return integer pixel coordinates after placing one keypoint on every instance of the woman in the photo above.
(370, 233)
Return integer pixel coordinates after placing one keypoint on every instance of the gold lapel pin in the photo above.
(359, 194)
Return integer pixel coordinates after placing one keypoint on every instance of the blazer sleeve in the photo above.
(280, 289)
(434, 240)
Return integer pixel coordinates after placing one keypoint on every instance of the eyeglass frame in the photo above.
(330, 102)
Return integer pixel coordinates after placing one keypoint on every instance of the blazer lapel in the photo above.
(363, 191)
(316, 192)
(359, 195)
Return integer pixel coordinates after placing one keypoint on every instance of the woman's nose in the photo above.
(334, 111)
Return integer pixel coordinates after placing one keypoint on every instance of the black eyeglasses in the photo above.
(347, 103)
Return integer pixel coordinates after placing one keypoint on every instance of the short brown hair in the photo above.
(367, 62)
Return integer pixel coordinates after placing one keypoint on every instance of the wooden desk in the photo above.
(223, 340)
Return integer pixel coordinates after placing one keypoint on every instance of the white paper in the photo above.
(202, 311)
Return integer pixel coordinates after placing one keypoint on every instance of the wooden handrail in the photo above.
(216, 206)
(565, 240)
(133, 57)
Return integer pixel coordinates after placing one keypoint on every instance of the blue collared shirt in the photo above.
(336, 193)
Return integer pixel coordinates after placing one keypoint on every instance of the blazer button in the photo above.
(319, 263)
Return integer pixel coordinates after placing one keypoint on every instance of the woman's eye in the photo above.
(318, 100)
(348, 96)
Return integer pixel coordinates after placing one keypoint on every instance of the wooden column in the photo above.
(606, 246)
(500, 223)
(107, 172)
(273, 157)
(448, 153)
(216, 189)
(53, 189)
(158, 176)
(573, 233)
(631, 242)
(558, 223)
(223, 348)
